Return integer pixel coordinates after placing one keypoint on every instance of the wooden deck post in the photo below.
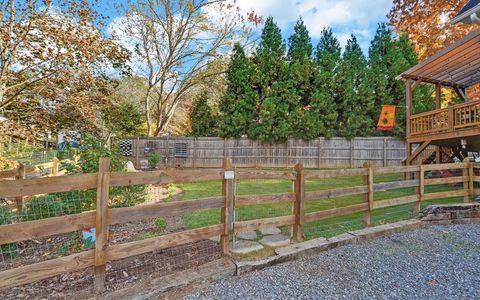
(21, 174)
(55, 163)
(299, 205)
(228, 208)
(409, 103)
(368, 181)
(101, 222)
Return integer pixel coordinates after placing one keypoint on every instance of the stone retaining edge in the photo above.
(306, 248)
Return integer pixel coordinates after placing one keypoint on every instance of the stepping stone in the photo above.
(270, 231)
(250, 235)
(276, 240)
(215, 239)
(246, 247)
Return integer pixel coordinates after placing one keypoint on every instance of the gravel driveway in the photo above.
(437, 262)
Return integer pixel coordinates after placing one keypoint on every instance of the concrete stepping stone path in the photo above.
(276, 240)
(246, 247)
(250, 235)
(270, 231)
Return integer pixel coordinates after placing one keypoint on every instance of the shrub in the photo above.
(43, 207)
(8, 250)
(5, 215)
(154, 160)
(161, 224)
(127, 196)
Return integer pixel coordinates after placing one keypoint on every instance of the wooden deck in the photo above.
(446, 127)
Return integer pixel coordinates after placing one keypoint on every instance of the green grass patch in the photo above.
(325, 228)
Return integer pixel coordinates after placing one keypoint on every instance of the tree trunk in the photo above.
(147, 111)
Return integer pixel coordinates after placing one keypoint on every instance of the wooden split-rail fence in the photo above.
(103, 216)
(23, 171)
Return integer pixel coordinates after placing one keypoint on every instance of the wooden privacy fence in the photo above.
(319, 153)
(103, 216)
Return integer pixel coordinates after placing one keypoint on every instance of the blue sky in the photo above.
(359, 17)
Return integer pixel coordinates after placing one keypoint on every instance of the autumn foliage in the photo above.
(427, 24)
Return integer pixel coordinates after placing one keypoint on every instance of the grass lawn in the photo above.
(327, 228)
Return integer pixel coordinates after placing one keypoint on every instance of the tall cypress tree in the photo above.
(202, 118)
(388, 57)
(273, 89)
(355, 105)
(301, 74)
(237, 106)
(326, 94)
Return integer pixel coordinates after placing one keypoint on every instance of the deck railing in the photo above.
(456, 117)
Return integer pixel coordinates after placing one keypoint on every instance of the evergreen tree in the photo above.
(271, 84)
(237, 106)
(301, 74)
(354, 107)
(326, 94)
(202, 118)
(388, 57)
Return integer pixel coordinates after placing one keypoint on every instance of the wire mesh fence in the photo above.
(169, 221)
(119, 273)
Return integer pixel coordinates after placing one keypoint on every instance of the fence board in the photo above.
(11, 233)
(164, 176)
(333, 193)
(120, 251)
(46, 185)
(259, 174)
(336, 212)
(251, 225)
(445, 180)
(385, 186)
(395, 201)
(441, 195)
(177, 208)
(46, 269)
(322, 174)
(264, 199)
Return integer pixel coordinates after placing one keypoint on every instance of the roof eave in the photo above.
(465, 15)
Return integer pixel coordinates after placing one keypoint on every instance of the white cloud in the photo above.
(354, 14)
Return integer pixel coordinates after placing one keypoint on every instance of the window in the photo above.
(180, 149)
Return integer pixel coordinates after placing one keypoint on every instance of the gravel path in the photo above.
(437, 262)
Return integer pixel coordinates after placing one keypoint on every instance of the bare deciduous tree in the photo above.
(174, 42)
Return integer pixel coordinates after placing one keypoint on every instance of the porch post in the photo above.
(438, 105)
(408, 113)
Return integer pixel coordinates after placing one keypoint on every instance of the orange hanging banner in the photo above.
(387, 118)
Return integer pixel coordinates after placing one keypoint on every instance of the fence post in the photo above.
(368, 181)
(55, 163)
(101, 221)
(318, 153)
(466, 183)
(351, 154)
(228, 208)
(299, 205)
(384, 152)
(21, 174)
(194, 151)
(471, 176)
(421, 189)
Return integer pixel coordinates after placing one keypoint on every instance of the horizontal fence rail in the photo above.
(416, 177)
